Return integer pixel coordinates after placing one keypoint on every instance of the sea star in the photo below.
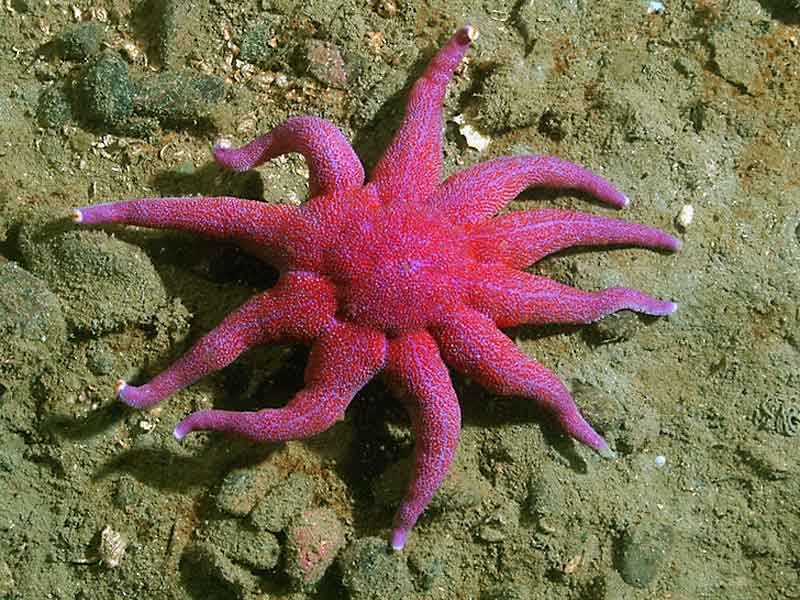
(402, 274)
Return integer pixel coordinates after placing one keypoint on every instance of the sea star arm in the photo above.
(342, 361)
(333, 165)
(416, 373)
(478, 192)
(472, 344)
(254, 224)
(521, 238)
(510, 297)
(412, 165)
(298, 308)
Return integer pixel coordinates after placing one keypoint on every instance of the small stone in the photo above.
(512, 96)
(507, 591)
(546, 495)
(112, 547)
(105, 92)
(54, 109)
(324, 63)
(739, 57)
(614, 328)
(174, 26)
(313, 539)
(80, 41)
(370, 571)
(285, 500)
(643, 550)
(233, 581)
(554, 125)
(256, 45)
(99, 358)
(32, 325)
(103, 283)
(176, 99)
(126, 493)
(237, 493)
(598, 407)
(244, 545)
(7, 583)
(685, 216)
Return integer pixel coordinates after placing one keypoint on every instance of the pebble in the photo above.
(685, 216)
(255, 45)
(126, 492)
(324, 63)
(54, 109)
(738, 55)
(233, 581)
(237, 493)
(105, 92)
(507, 591)
(461, 490)
(32, 325)
(244, 545)
(87, 270)
(370, 571)
(285, 500)
(313, 539)
(177, 99)
(7, 583)
(644, 549)
(99, 358)
(80, 41)
(616, 327)
(598, 407)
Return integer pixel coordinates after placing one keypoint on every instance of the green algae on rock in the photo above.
(105, 91)
(32, 324)
(103, 283)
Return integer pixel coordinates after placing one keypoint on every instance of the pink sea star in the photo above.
(403, 274)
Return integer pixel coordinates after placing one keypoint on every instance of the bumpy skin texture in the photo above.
(404, 274)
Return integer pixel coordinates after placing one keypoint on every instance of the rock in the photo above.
(644, 548)
(546, 497)
(32, 325)
(285, 500)
(7, 584)
(105, 92)
(313, 539)
(80, 41)
(209, 565)
(237, 493)
(614, 328)
(324, 63)
(598, 407)
(738, 55)
(258, 550)
(126, 493)
(371, 571)
(99, 358)
(507, 591)
(256, 45)
(460, 491)
(512, 95)
(175, 25)
(103, 283)
(54, 108)
(176, 99)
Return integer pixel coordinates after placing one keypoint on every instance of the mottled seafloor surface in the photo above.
(689, 103)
